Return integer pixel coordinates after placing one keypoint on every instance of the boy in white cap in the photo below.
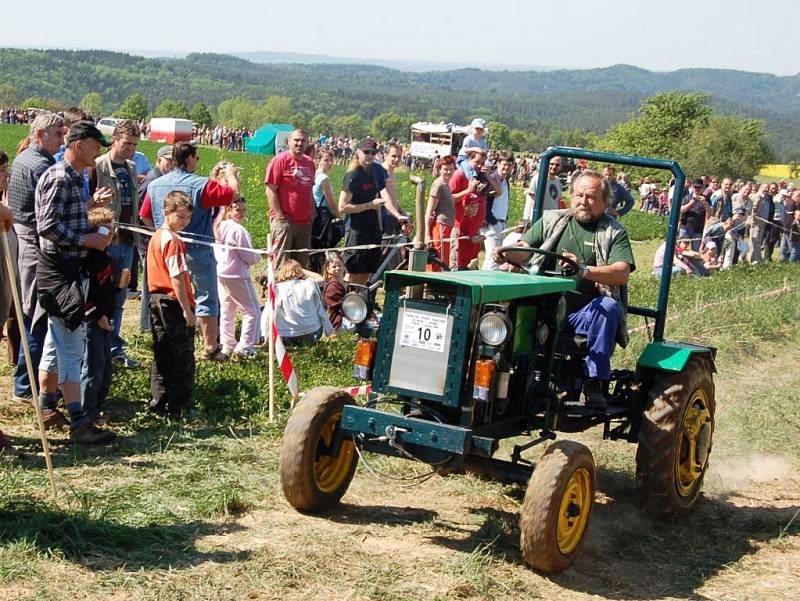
(474, 141)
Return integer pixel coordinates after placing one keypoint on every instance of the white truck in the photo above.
(429, 140)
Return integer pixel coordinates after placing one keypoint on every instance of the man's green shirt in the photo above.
(579, 239)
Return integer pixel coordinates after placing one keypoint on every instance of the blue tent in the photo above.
(263, 140)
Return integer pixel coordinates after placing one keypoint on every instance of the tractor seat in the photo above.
(571, 344)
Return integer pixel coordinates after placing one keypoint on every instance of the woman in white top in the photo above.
(300, 314)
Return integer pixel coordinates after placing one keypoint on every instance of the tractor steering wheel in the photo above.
(571, 269)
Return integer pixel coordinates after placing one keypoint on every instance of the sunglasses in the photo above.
(369, 151)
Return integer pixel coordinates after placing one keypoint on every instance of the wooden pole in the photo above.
(270, 338)
(32, 375)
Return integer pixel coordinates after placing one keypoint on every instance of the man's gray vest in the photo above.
(608, 229)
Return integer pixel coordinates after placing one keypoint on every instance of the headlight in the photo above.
(542, 334)
(354, 307)
(494, 328)
(561, 312)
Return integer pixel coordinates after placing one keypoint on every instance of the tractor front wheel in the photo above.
(675, 439)
(557, 507)
(314, 474)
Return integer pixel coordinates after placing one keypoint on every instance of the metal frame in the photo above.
(660, 313)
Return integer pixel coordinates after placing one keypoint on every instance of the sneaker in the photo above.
(248, 353)
(593, 395)
(123, 360)
(89, 434)
(22, 399)
(7, 450)
(53, 419)
(216, 354)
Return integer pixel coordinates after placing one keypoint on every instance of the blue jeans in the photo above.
(203, 272)
(598, 321)
(121, 257)
(790, 249)
(36, 335)
(97, 369)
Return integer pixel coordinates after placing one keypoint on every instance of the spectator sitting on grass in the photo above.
(335, 288)
(300, 314)
(678, 265)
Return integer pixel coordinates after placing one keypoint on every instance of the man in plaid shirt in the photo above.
(64, 242)
(46, 136)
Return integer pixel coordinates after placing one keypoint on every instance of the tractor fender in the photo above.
(673, 356)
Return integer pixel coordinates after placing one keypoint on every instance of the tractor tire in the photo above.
(557, 507)
(311, 479)
(675, 439)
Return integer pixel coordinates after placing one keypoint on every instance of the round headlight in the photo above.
(542, 334)
(561, 312)
(354, 307)
(493, 328)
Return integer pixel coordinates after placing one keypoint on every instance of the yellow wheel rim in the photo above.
(694, 443)
(573, 515)
(331, 470)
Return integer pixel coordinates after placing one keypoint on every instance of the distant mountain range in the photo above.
(588, 99)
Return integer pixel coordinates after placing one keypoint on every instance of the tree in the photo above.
(499, 136)
(661, 127)
(8, 95)
(38, 102)
(319, 124)
(201, 115)
(134, 107)
(276, 109)
(172, 108)
(727, 146)
(299, 120)
(238, 112)
(93, 104)
(350, 125)
(390, 125)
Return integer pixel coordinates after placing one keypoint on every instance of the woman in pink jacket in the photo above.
(236, 290)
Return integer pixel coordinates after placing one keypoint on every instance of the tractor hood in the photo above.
(487, 286)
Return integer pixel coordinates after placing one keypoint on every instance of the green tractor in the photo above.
(463, 360)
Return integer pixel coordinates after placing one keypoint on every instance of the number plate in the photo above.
(423, 330)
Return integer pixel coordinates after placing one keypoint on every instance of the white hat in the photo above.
(711, 244)
(478, 123)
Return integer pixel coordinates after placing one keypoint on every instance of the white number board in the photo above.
(423, 330)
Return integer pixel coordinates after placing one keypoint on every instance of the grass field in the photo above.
(195, 511)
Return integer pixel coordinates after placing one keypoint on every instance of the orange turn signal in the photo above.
(484, 372)
(365, 352)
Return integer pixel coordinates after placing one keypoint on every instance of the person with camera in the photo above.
(694, 209)
(470, 187)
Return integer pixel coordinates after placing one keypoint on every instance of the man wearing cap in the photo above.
(64, 244)
(362, 197)
(46, 136)
(205, 194)
(289, 188)
(693, 214)
(116, 170)
(474, 141)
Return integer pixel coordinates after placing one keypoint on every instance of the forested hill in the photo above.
(590, 99)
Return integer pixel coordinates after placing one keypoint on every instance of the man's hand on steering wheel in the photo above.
(518, 256)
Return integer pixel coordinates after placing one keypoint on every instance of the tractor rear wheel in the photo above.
(675, 439)
(313, 477)
(557, 507)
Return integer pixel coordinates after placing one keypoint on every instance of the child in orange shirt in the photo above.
(172, 319)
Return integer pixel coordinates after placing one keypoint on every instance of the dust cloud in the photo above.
(737, 473)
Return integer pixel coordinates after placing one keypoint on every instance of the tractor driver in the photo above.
(599, 244)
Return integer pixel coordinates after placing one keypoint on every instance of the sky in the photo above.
(664, 36)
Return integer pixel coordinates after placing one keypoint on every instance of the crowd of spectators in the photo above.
(73, 209)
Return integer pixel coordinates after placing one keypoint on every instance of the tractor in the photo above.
(463, 360)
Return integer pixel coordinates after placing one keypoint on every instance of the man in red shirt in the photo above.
(289, 184)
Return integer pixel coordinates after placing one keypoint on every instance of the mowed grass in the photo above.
(195, 511)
